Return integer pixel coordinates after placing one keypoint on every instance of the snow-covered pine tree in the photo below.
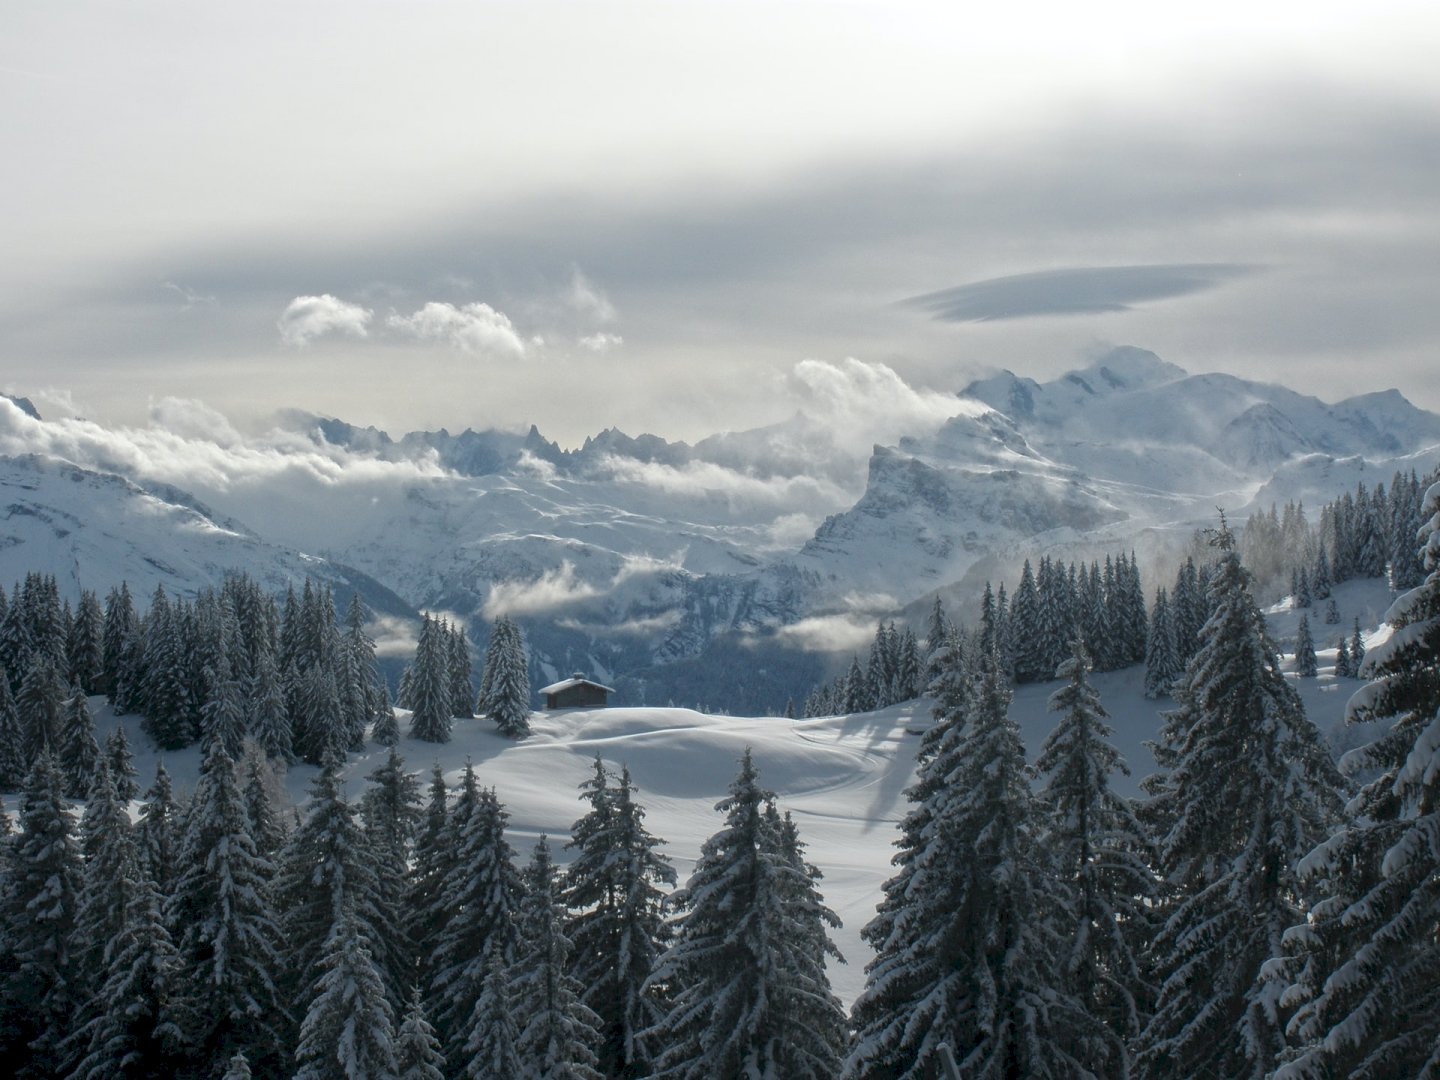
(1247, 788)
(857, 689)
(816, 1047)
(12, 739)
(481, 892)
(165, 694)
(348, 1029)
(1357, 651)
(618, 928)
(40, 901)
(122, 764)
(1344, 669)
(41, 704)
(967, 932)
(1162, 660)
(228, 938)
(267, 829)
(433, 857)
(417, 1050)
(1103, 855)
(135, 1032)
(268, 718)
(324, 733)
(108, 851)
(558, 1032)
(237, 1068)
(121, 624)
(86, 648)
(739, 1003)
(1321, 581)
(1332, 613)
(430, 688)
(509, 702)
(1025, 618)
(1306, 666)
(222, 716)
(462, 694)
(1362, 966)
(79, 752)
(386, 731)
(360, 687)
(157, 831)
(1304, 598)
(327, 872)
(390, 814)
(489, 1050)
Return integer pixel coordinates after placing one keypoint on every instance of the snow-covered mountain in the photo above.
(629, 555)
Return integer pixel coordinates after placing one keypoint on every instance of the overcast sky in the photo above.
(647, 214)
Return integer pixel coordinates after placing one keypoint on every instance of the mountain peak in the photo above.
(1126, 367)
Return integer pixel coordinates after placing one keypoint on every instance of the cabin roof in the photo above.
(575, 680)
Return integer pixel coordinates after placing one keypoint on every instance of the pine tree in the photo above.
(967, 932)
(1344, 669)
(348, 1030)
(386, 731)
(1362, 967)
(482, 892)
(87, 645)
(12, 739)
(430, 686)
(462, 694)
(1162, 661)
(431, 863)
(558, 1034)
(1102, 852)
(1306, 666)
(238, 1068)
(40, 904)
(509, 701)
(136, 1031)
(1357, 651)
(267, 718)
(489, 1051)
(1247, 789)
(417, 1050)
(109, 854)
(122, 765)
(157, 831)
(613, 888)
(937, 631)
(328, 873)
(390, 811)
(267, 829)
(121, 625)
(228, 936)
(165, 695)
(740, 1004)
(361, 681)
(1332, 613)
(79, 752)
(40, 702)
(223, 713)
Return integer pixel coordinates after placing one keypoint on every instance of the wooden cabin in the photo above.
(576, 692)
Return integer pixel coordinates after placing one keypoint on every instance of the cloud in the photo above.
(473, 328)
(308, 317)
(192, 299)
(866, 403)
(587, 300)
(853, 628)
(828, 633)
(1082, 290)
(191, 419)
(393, 636)
(704, 478)
(552, 589)
(601, 342)
(636, 627)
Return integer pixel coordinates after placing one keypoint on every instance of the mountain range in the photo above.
(665, 566)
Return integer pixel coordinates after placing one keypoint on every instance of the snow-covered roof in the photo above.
(574, 680)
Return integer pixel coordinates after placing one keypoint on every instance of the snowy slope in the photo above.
(93, 529)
